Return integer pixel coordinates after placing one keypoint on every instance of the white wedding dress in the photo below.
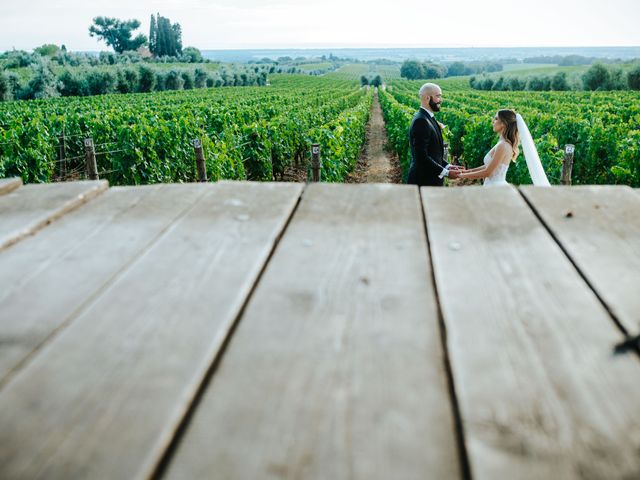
(499, 175)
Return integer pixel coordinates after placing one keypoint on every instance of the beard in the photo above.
(434, 106)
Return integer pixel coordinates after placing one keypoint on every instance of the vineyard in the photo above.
(603, 126)
(246, 133)
(257, 133)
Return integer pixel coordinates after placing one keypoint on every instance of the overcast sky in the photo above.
(220, 24)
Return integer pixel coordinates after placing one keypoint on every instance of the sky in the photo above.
(235, 24)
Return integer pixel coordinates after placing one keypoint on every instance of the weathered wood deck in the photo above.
(251, 330)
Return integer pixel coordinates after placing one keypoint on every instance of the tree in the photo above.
(192, 55)
(432, 70)
(44, 83)
(412, 70)
(165, 39)
(147, 79)
(559, 81)
(633, 78)
(596, 78)
(4, 87)
(117, 33)
(47, 50)
(153, 35)
(456, 69)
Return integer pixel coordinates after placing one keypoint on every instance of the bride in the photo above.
(510, 126)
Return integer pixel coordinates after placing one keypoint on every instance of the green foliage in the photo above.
(412, 70)
(165, 39)
(173, 80)
(342, 139)
(117, 33)
(147, 79)
(4, 87)
(596, 78)
(43, 83)
(47, 50)
(559, 82)
(192, 55)
(127, 80)
(71, 84)
(246, 132)
(633, 78)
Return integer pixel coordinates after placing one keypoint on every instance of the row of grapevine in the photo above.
(603, 126)
(246, 133)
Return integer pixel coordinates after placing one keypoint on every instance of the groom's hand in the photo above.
(454, 173)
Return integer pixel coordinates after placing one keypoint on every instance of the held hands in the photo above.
(455, 171)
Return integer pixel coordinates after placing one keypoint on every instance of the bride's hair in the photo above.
(508, 117)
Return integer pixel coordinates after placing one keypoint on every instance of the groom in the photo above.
(427, 147)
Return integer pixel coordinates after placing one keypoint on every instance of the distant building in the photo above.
(144, 52)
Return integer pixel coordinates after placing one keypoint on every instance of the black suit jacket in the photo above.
(427, 151)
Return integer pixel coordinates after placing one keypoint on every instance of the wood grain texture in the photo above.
(104, 398)
(32, 207)
(599, 228)
(540, 391)
(336, 370)
(8, 185)
(48, 278)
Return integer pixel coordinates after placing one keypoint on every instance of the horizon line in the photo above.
(371, 47)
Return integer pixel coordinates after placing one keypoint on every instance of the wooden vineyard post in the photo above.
(90, 157)
(567, 164)
(61, 157)
(200, 164)
(316, 163)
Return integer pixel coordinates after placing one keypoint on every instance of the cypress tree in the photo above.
(153, 36)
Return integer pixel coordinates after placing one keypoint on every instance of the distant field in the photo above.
(512, 67)
(538, 69)
(309, 67)
(210, 67)
(354, 71)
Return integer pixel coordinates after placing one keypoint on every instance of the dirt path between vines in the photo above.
(376, 163)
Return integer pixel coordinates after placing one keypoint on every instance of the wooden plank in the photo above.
(336, 369)
(8, 185)
(32, 207)
(540, 392)
(48, 277)
(105, 397)
(599, 228)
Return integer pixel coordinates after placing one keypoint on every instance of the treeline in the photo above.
(13, 59)
(416, 70)
(45, 83)
(597, 77)
(373, 81)
(567, 60)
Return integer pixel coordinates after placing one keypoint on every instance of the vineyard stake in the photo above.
(316, 163)
(62, 156)
(567, 164)
(90, 156)
(200, 164)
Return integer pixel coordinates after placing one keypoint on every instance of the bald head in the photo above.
(429, 89)
(430, 97)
